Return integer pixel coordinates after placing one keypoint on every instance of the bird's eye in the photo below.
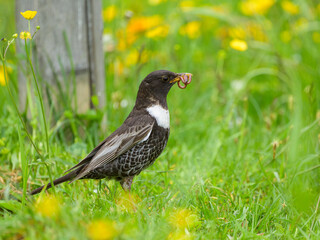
(165, 78)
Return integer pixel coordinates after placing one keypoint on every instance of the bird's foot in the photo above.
(126, 183)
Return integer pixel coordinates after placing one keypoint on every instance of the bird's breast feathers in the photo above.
(161, 115)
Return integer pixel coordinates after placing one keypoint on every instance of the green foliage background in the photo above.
(243, 155)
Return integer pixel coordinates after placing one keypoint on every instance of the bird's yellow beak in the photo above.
(176, 79)
(181, 77)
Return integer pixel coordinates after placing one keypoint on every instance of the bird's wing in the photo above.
(115, 145)
(88, 158)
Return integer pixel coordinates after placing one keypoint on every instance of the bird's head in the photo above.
(158, 83)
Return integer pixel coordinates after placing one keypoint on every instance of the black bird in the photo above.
(136, 144)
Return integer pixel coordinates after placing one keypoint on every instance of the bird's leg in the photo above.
(126, 183)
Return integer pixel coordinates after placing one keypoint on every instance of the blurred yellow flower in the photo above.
(132, 58)
(102, 230)
(238, 45)
(183, 218)
(25, 35)
(122, 44)
(191, 29)
(180, 235)
(249, 30)
(158, 32)
(29, 14)
(187, 4)
(253, 7)
(2, 79)
(141, 24)
(285, 36)
(316, 37)
(48, 206)
(137, 26)
(156, 2)
(109, 13)
(290, 7)
(125, 39)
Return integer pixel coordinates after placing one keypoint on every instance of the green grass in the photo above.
(243, 155)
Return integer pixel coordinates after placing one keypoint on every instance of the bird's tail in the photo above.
(62, 179)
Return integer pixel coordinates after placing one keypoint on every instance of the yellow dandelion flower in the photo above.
(132, 58)
(48, 206)
(102, 230)
(138, 25)
(285, 36)
(158, 32)
(253, 7)
(2, 79)
(109, 13)
(191, 29)
(187, 4)
(290, 7)
(29, 14)
(156, 2)
(238, 45)
(125, 39)
(180, 235)
(122, 44)
(316, 37)
(25, 35)
(183, 218)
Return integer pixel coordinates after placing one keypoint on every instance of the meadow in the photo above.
(243, 157)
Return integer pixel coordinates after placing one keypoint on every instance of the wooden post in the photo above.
(77, 23)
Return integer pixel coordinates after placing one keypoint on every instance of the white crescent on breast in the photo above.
(161, 115)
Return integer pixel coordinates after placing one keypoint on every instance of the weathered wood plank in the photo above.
(95, 27)
(78, 21)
